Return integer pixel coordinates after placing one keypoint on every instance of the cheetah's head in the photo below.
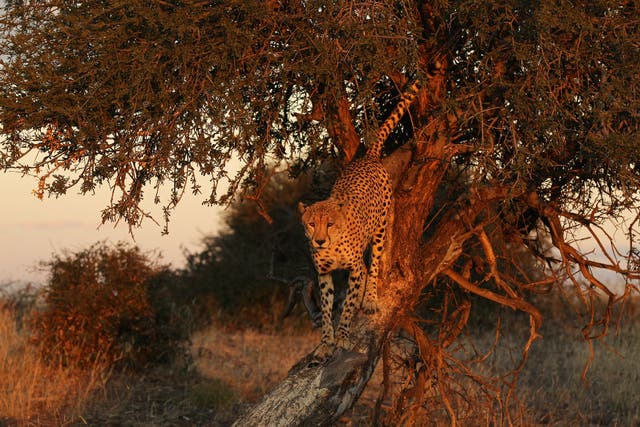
(323, 222)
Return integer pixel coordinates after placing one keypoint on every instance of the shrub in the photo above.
(106, 304)
(33, 392)
(230, 275)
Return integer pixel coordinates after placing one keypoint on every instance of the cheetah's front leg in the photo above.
(370, 303)
(327, 343)
(357, 278)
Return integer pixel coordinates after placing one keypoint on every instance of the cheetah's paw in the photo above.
(343, 342)
(370, 305)
(322, 353)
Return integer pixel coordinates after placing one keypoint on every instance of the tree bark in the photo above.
(341, 128)
(319, 395)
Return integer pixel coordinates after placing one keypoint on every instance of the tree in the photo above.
(536, 102)
(218, 277)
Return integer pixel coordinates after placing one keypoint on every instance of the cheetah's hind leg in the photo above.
(370, 303)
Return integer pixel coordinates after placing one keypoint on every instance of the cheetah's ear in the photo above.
(301, 207)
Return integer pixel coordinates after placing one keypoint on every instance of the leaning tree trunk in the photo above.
(318, 395)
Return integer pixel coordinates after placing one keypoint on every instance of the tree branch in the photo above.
(318, 395)
(514, 303)
(341, 129)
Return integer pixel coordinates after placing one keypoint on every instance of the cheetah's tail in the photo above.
(408, 96)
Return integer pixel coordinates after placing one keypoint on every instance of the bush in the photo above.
(107, 304)
(230, 275)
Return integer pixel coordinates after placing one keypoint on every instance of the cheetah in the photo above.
(340, 229)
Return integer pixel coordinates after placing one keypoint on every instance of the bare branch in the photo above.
(341, 128)
(514, 303)
(493, 264)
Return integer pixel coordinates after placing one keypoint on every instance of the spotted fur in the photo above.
(341, 227)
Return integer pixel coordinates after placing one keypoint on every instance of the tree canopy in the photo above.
(529, 111)
(544, 94)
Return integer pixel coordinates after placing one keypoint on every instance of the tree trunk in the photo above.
(318, 395)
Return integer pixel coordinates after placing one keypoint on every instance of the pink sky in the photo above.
(31, 229)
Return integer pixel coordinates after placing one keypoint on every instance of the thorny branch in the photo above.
(509, 292)
(300, 289)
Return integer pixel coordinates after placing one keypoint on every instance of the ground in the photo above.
(229, 369)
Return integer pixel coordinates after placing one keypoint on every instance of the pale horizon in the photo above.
(31, 230)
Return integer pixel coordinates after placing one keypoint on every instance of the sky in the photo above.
(31, 230)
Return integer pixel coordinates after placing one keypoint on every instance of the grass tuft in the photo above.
(213, 394)
(34, 392)
(251, 362)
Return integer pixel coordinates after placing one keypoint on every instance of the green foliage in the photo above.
(107, 304)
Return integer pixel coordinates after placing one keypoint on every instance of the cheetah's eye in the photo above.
(330, 224)
(312, 224)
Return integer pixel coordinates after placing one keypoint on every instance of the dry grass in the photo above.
(235, 367)
(550, 390)
(230, 367)
(34, 393)
(229, 370)
(251, 362)
(551, 382)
